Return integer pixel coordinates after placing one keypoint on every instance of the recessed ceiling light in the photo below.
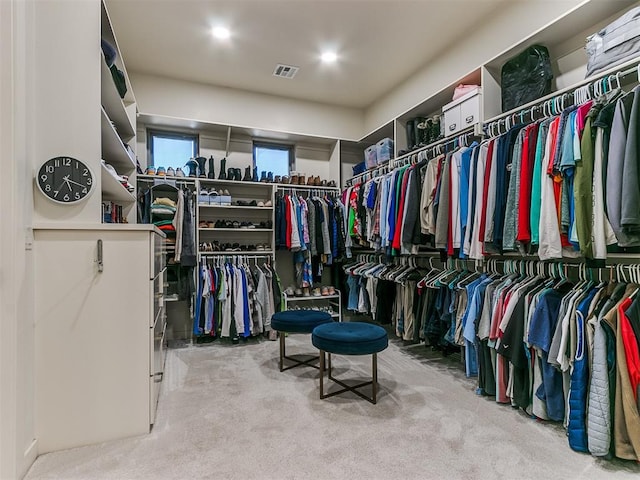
(221, 33)
(329, 57)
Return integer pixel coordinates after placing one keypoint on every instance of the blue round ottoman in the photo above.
(350, 338)
(297, 321)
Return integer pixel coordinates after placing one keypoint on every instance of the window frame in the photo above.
(288, 147)
(173, 135)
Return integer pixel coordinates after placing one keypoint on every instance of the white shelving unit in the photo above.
(238, 190)
(118, 127)
(335, 301)
(564, 37)
(113, 190)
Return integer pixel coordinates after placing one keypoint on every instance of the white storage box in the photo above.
(384, 150)
(463, 112)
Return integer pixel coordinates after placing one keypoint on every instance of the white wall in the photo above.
(508, 26)
(227, 106)
(66, 92)
(17, 428)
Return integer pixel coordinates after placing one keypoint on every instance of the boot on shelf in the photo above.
(223, 169)
(263, 177)
(247, 175)
(192, 165)
(212, 172)
(270, 177)
(231, 174)
(255, 174)
(202, 167)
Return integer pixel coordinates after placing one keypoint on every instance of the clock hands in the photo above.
(71, 181)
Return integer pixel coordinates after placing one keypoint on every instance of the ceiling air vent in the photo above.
(285, 71)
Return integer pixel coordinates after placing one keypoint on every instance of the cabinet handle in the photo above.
(452, 127)
(157, 377)
(469, 119)
(100, 261)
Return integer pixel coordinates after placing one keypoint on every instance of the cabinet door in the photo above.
(92, 334)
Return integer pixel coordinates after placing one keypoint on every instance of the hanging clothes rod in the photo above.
(439, 146)
(554, 103)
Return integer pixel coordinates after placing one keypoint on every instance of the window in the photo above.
(171, 149)
(269, 157)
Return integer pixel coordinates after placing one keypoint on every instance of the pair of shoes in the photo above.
(332, 290)
(234, 174)
(305, 292)
(171, 172)
(150, 171)
(246, 203)
(324, 291)
(261, 247)
(298, 292)
(316, 292)
(268, 203)
(289, 291)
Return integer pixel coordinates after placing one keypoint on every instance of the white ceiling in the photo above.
(380, 42)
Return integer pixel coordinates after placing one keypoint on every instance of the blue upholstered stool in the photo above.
(297, 321)
(350, 338)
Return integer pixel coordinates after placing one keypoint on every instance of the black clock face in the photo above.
(65, 180)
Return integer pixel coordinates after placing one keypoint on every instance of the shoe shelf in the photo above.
(212, 181)
(242, 252)
(238, 191)
(309, 297)
(334, 300)
(239, 207)
(149, 178)
(293, 186)
(236, 229)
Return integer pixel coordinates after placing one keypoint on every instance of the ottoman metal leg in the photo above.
(373, 382)
(322, 373)
(296, 362)
(282, 351)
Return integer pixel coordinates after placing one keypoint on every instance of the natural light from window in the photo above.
(272, 159)
(172, 151)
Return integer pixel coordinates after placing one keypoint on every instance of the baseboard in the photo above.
(30, 455)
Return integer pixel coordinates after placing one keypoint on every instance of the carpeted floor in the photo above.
(226, 412)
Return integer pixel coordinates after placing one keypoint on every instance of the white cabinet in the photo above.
(462, 113)
(99, 334)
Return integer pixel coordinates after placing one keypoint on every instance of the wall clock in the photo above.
(65, 180)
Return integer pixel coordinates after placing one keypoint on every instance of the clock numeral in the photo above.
(55, 193)
(44, 177)
(66, 162)
(66, 197)
(47, 188)
(85, 172)
(49, 168)
(77, 195)
(84, 190)
(57, 163)
(88, 181)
